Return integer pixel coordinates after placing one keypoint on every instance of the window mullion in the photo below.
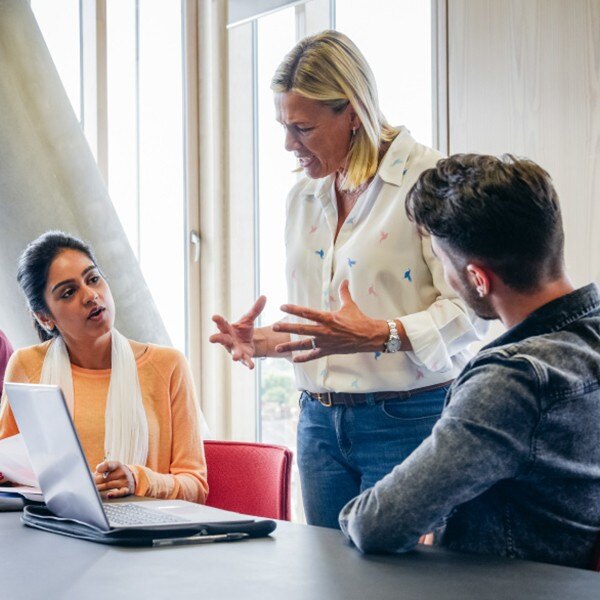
(94, 79)
(439, 73)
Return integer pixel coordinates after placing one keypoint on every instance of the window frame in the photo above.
(241, 392)
(311, 17)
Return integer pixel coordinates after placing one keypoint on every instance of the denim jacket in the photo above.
(512, 467)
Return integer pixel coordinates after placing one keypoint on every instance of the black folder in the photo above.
(39, 517)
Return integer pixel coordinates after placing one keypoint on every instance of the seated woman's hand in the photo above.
(238, 338)
(114, 479)
(346, 331)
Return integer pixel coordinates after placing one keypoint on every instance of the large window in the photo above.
(276, 35)
(140, 118)
(278, 412)
(395, 37)
(142, 122)
(145, 145)
(59, 23)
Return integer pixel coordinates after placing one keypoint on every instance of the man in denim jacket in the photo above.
(513, 466)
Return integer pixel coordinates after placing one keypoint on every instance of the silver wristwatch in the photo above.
(394, 342)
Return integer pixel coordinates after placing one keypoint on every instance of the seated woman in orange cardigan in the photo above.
(133, 404)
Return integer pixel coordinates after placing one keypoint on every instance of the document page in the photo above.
(14, 462)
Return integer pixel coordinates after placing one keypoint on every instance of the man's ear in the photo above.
(480, 278)
(45, 321)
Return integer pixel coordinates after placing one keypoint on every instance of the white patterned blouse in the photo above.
(392, 273)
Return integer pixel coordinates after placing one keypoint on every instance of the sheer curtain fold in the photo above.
(213, 208)
(49, 180)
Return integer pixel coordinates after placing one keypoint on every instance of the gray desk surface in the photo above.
(297, 562)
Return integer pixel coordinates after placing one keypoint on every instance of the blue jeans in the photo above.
(342, 450)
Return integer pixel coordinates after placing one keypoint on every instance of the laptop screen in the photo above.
(55, 452)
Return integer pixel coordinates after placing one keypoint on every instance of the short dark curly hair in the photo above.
(503, 212)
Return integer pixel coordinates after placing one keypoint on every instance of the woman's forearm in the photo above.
(190, 485)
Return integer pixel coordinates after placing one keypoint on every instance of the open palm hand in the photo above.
(238, 338)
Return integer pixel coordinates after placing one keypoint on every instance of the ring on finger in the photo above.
(313, 343)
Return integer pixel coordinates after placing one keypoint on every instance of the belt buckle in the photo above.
(321, 398)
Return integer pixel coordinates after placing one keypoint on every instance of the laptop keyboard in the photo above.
(121, 515)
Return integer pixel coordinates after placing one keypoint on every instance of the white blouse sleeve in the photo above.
(446, 327)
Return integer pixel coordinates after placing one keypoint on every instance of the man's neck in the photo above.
(513, 307)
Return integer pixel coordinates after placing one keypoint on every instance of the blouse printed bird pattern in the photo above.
(392, 271)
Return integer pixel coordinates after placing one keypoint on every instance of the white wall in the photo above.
(524, 77)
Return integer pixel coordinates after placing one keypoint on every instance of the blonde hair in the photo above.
(328, 67)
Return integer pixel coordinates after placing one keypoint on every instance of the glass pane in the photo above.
(145, 132)
(59, 23)
(395, 37)
(162, 240)
(278, 395)
(122, 110)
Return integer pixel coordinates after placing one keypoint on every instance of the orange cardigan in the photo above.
(175, 467)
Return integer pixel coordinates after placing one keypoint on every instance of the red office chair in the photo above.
(596, 563)
(249, 478)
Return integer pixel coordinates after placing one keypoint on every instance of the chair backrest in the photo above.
(249, 478)
(596, 562)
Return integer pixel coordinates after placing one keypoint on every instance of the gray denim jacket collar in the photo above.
(553, 316)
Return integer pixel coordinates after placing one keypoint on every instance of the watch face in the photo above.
(393, 345)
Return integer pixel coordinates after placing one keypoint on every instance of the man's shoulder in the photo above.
(498, 360)
(549, 366)
(501, 373)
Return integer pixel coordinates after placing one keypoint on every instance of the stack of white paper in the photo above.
(14, 462)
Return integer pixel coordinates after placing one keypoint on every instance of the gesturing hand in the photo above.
(114, 479)
(238, 337)
(346, 331)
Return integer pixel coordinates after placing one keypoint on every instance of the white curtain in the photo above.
(49, 180)
(209, 17)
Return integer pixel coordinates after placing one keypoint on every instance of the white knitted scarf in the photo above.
(126, 426)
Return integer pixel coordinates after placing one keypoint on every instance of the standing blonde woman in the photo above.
(372, 386)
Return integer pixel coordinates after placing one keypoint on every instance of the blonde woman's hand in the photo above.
(238, 338)
(345, 331)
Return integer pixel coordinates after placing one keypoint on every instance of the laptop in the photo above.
(65, 478)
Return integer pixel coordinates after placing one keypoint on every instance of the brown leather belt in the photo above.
(348, 399)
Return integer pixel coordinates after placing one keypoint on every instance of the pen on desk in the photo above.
(199, 539)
